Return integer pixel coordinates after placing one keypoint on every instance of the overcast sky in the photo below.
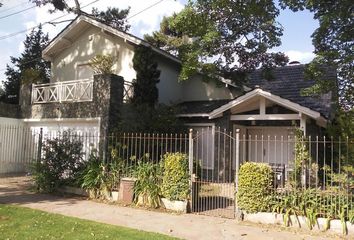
(296, 41)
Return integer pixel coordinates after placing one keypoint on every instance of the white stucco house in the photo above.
(76, 99)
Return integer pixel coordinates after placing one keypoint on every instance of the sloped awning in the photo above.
(258, 98)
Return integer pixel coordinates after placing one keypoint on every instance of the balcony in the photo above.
(70, 91)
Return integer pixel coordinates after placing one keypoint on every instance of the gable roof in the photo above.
(272, 97)
(289, 81)
(81, 22)
(215, 109)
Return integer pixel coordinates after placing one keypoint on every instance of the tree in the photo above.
(333, 42)
(113, 17)
(147, 76)
(60, 5)
(28, 68)
(218, 37)
(143, 113)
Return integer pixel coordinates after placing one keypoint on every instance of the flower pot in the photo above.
(114, 196)
(177, 206)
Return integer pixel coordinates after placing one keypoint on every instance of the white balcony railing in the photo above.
(68, 91)
(127, 91)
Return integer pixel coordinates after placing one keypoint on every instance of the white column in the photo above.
(303, 123)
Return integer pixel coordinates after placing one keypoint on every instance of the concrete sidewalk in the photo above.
(186, 226)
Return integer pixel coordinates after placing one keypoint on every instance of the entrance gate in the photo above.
(213, 160)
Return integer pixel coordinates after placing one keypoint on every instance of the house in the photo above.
(77, 99)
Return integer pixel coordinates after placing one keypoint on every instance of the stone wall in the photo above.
(9, 110)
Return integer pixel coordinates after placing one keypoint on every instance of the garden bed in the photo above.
(298, 222)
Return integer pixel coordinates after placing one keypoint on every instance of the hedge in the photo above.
(254, 187)
(175, 182)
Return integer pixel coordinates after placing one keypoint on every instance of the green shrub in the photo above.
(147, 185)
(94, 177)
(61, 161)
(175, 182)
(254, 187)
(100, 178)
(102, 64)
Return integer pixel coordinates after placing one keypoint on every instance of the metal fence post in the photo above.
(237, 213)
(39, 150)
(190, 163)
(237, 156)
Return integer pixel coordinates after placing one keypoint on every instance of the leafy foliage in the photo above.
(113, 17)
(61, 5)
(147, 76)
(147, 185)
(175, 181)
(102, 64)
(28, 68)
(333, 42)
(101, 178)
(142, 118)
(217, 37)
(61, 162)
(94, 177)
(255, 185)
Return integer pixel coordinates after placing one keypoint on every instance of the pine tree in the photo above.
(28, 68)
(113, 17)
(147, 76)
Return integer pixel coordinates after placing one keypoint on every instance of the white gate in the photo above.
(18, 146)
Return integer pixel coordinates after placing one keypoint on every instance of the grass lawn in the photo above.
(25, 223)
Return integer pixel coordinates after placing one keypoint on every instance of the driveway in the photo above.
(14, 190)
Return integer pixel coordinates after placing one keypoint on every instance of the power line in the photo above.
(45, 23)
(143, 10)
(147, 8)
(13, 7)
(11, 14)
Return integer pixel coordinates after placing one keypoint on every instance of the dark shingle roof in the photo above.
(195, 107)
(289, 81)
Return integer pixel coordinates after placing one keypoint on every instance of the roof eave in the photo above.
(126, 37)
(285, 102)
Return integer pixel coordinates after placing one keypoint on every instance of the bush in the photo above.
(60, 162)
(175, 182)
(100, 178)
(93, 177)
(254, 187)
(102, 64)
(147, 185)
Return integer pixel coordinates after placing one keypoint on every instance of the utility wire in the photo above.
(13, 7)
(143, 10)
(45, 23)
(11, 14)
(147, 8)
